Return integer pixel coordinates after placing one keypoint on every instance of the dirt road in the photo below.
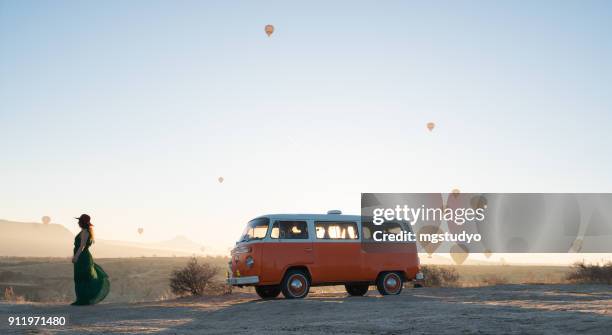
(533, 309)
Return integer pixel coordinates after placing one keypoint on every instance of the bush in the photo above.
(9, 295)
(436, 276)
(193, 278)
(591, 273)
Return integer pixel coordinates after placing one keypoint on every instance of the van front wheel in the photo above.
(268, 291)
(356, 289)
(295, 284)
(390, 283)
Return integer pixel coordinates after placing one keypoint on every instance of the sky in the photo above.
(130, 111)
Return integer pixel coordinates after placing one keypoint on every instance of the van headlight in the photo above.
(249, 262)
(242, 249)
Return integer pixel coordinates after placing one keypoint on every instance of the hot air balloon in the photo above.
(459, 253)
(45, 219)
(429, 247)
(220, 179)
(488, 253)
(577, 245)
(478, 201)
(269, 30)
(457, 225)
(431, 126)
(140, 231)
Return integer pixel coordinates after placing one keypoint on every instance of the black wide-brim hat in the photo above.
(84, 217)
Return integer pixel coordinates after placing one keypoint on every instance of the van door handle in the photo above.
(308, 249)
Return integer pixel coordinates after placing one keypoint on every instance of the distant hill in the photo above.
(34, 239)
(27, 239)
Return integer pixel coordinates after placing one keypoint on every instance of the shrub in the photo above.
(192, 279)
(9, 294)
(591, 273)
(436, 276)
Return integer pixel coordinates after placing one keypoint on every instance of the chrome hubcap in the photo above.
(296, 284)
(392, 284)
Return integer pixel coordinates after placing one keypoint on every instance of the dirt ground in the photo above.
(505, 309)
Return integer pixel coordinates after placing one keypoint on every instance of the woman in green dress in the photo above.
(91, 283)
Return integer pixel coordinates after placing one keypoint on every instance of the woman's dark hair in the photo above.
(85, 223)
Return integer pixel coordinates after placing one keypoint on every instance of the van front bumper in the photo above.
(248, 280)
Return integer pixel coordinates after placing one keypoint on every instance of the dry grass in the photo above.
(132, 279)
(494, 280)
(591, 273)
(437, 276)
(146, 279)
(486, 275)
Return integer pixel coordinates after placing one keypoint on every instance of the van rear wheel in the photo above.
(295, 285)
(357, 289)
(390, 283)
(268, 291)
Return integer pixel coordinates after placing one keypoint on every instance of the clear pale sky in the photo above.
(131, 110)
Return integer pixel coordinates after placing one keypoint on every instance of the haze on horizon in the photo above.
(132, 111)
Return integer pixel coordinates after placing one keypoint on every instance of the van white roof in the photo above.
(320, 217)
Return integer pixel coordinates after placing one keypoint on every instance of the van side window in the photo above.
(366, 233)
(393, 228)
(336, 230)
(389, 227)
(297, 230)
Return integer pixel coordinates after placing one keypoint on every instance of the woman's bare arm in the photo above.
(84, 238)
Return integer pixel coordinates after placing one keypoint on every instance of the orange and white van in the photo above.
(289, 253)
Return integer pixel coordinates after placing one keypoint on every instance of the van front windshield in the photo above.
(256, 229)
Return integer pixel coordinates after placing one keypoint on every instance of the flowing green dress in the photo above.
(91, 283)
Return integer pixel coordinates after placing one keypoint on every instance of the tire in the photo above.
(295, 284)
(356, 290)
(390, 283)
(268, 291)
